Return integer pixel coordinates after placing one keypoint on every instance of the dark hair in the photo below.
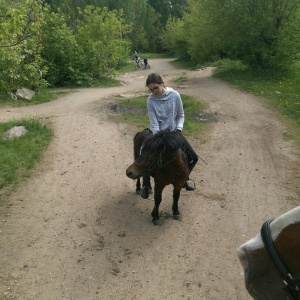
(154, 78)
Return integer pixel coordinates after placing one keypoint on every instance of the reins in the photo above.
(157, 164)
(292, 285)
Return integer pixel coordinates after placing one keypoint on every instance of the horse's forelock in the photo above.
(152, 143)
(170, 140)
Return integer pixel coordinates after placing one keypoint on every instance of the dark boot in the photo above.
(190, 185)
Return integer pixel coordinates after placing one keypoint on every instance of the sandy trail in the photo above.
(76, 229)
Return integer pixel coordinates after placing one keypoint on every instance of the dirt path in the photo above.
(76, 230)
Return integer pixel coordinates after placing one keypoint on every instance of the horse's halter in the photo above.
(292, 285)
(156, 163)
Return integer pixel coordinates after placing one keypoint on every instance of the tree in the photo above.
(60, 50)
(175, 38)
(154, 30)
(162, 7)
(136, 16)
(250, 30)
(20, 63)
(177, 8)
(100, 40)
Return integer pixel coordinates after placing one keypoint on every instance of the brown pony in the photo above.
(161, 156)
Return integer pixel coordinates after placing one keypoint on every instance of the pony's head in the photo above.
(153, 151)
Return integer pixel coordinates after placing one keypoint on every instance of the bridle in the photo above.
(156, 164)
(292, 285)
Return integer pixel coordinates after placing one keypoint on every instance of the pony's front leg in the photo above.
(138, 188)
(147, 189)
(176, 195)
(157, 201)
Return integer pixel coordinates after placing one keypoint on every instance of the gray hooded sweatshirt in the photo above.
(165, 111)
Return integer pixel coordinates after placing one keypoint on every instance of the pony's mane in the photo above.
(169, 139)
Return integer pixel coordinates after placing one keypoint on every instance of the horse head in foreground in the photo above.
(161, 157)
(271, 260)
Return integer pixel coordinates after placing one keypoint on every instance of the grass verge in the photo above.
(19, 155)
(281, 89)
(49, 94)
(42, 96)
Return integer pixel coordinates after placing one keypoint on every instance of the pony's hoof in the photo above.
(156, 222)
(146, 192)
(177, 217)
(138, 192)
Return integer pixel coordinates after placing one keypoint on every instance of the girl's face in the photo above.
(156, 88)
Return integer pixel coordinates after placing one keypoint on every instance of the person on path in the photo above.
(135, 56)
(166, 112)
(145, 63)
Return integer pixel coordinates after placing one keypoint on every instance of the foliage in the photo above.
(137, 17)
(60, 50)
(19, 155)
(100, 42)
(20, 63)
(175, 38)
(156, 55)
(167, 8)
(89, 55)
(177, 8)
(76, 42)
(260, 33)
(162, 7)
(147, 27)
(79, 42)
(154, 33)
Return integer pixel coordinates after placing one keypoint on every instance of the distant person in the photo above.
(165, 110)
(135, 56)
(138, 66)
(145, 63)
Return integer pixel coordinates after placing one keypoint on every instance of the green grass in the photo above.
(49, 94)
(188, 65)
(42, 96)
(135, 112)
(280, 88)
(125, 68)
(107, 82)
(180, 79)
(191, 107)
(19, 155)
